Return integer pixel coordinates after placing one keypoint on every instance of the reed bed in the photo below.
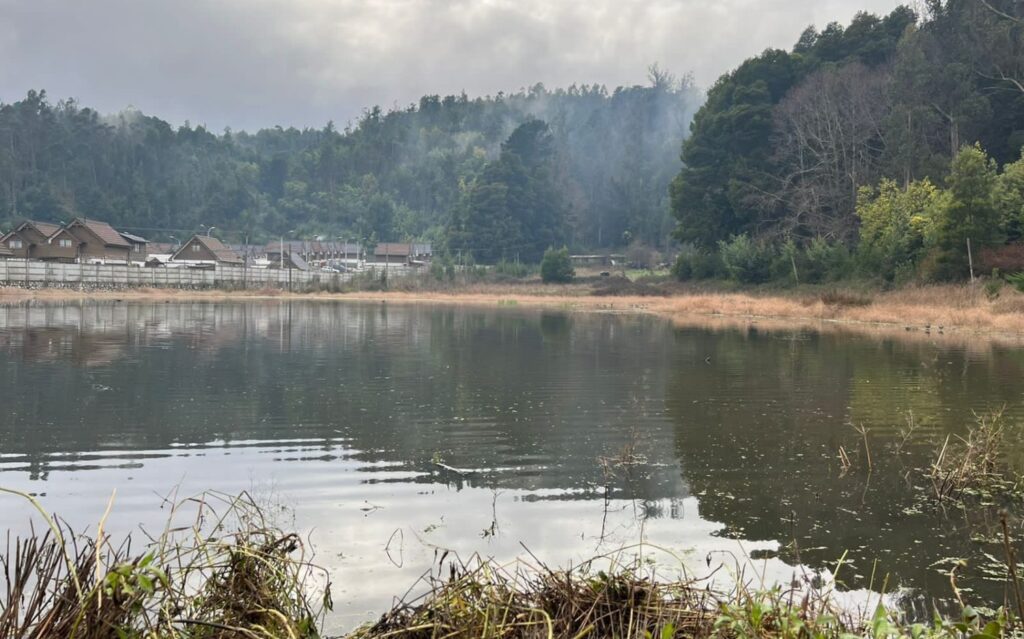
(226, 574)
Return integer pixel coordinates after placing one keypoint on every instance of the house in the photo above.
(99, 242)
(393, 253)
(139, 248)
(314, 250)
(23, 242)
(204, 250)
(62, 246)
(5, 252)
(291, 260)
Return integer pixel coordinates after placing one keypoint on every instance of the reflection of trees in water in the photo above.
(535, 397)
(759, 426)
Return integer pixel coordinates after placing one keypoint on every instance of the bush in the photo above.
(556, 266)
(511, 270)
(747, 261)
(824, 262)
(697, 264)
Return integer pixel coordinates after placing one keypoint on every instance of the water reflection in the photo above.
(571, 433)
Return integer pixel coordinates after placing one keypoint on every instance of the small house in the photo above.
(393, 253)
(62, 246)
(24, 240)
(202, 250)
(139, 248)
(99, 242)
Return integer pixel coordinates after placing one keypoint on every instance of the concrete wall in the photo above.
(34, 273)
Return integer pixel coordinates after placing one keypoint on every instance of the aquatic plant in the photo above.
(226, 574)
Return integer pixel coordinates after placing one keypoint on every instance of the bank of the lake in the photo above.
(933, 311)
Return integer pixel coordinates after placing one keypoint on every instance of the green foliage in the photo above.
(556, 266)
(513, 207)
(697, 264)
(785, 140)
(512, 270)
(970, 216)
(746, 260)
(391, 176)
(1009, 199)
(1017, 280)
(897, 223)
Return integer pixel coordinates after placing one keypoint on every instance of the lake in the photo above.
(389, 433)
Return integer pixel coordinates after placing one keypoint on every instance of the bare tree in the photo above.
(830, 141)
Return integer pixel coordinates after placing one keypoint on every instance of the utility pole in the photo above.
(970, 260)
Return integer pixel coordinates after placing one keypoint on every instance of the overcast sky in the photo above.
(253, 63)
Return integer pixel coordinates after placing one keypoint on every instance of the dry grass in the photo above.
(940, 308)
(225, 574)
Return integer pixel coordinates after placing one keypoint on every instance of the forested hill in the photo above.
(798, 146)
(600, 167)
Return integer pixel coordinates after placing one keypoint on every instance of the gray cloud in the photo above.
(253, 63)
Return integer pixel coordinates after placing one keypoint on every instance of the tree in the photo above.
(556, 266)
(830, 142)
(970, 221)
(1009, 199)
(896, 224)
(513, 207)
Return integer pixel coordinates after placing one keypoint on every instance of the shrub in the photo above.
(511, 270)
(824, 261)
(1017, 279)
(556, 266)
(697, 264)
(747, 261)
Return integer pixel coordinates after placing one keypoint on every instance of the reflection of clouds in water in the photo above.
(352, 522)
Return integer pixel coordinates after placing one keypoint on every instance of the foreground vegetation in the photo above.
(221, 569)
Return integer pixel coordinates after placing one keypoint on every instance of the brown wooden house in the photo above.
(61, 246)
(206, 250)
(100, 243)
(24, 241)
(140, 248)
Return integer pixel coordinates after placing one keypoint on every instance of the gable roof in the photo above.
(213, 245)
(46, 229)
(61, 231)
(102, 230)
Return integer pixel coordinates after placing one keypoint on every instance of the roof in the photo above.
(102, 230)
(162, 247)
(307, 247)
(391, 248)
(220, 252)
(296, 261)
(46, 228)
(133, 238)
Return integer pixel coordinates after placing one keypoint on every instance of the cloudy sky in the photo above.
(253, 63)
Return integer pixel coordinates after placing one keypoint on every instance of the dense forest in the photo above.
(887, 147)
(501, 176)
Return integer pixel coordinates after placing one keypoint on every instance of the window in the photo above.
(195, 248)
(14, 244)
(65, 243)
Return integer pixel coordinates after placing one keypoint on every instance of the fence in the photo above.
(46, 274)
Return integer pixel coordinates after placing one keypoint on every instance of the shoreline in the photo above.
(932, 311)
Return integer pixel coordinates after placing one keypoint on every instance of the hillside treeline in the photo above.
(589, 166)
(886, 146)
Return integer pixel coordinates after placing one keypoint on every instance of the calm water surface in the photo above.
(335, 414)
